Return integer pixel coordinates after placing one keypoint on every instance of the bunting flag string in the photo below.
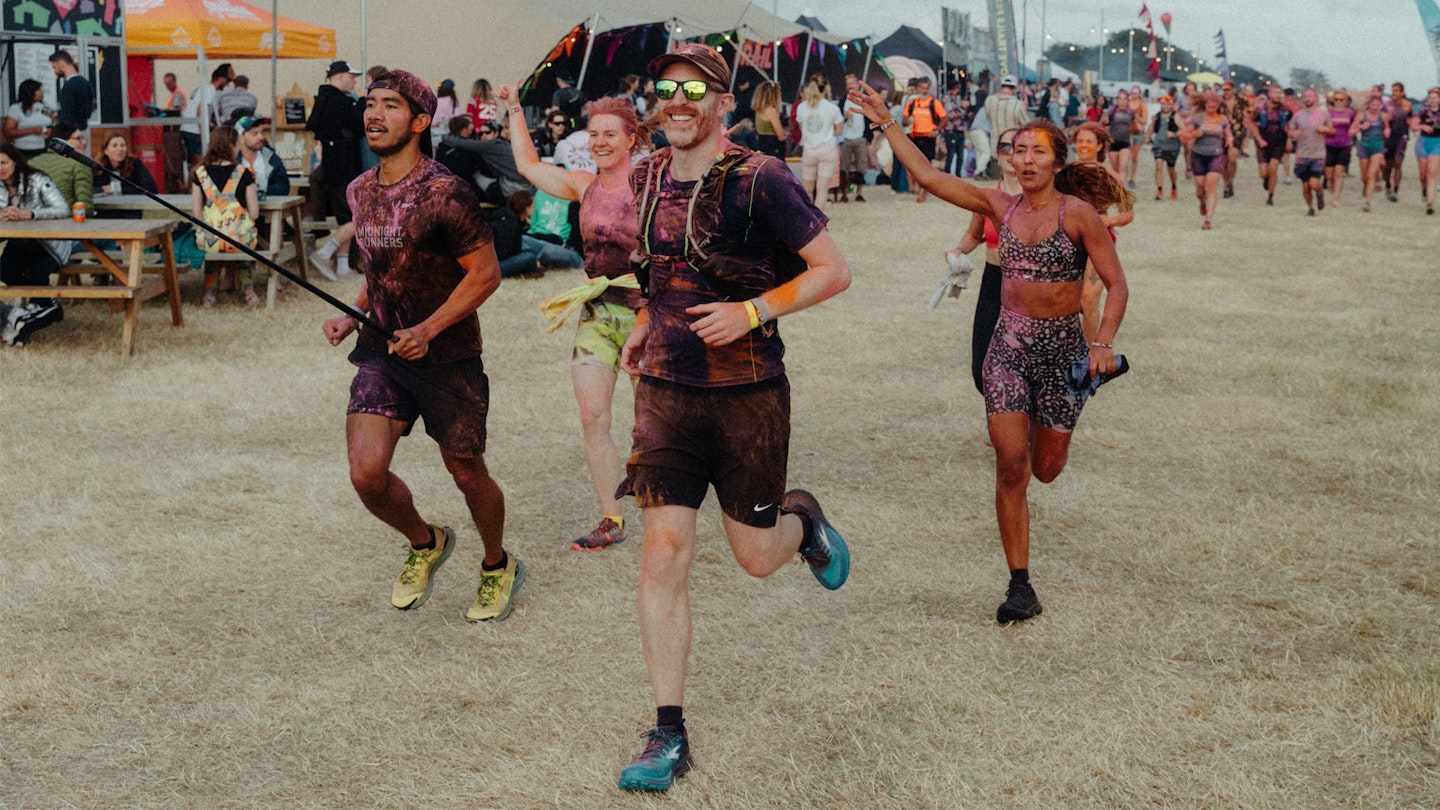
(1153, 68)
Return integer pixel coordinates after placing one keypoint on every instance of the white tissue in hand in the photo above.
(955, 278)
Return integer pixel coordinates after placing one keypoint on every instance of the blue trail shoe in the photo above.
(823, 548)
(666, 758)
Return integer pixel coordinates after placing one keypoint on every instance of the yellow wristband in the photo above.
(753, 313)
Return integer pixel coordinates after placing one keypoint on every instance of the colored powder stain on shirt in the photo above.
(412, 234)
(609, 227)
(764, 212)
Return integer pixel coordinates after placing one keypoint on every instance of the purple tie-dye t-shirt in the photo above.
(412, 235)
(762, 205)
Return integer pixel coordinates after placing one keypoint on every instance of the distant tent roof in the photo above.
(226, 29)
(914, 43)
(813, 23)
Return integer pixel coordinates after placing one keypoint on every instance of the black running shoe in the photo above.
(1020, 604)
(1320, 202)
(35, 318)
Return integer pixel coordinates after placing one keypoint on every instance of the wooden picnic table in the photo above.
(130, 287)
(273, 245)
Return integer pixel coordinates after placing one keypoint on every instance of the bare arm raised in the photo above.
(946, 186)
(565, 184)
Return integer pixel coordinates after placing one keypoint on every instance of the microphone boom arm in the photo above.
(64, 149)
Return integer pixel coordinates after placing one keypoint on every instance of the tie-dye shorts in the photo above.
(1025, 368)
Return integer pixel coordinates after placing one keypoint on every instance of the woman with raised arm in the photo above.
(1033, 395)
(609, 224)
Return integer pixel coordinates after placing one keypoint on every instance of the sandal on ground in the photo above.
(251, 297)
(209, 299)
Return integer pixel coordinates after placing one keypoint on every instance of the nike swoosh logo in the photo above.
(763, 508)
(673, 755)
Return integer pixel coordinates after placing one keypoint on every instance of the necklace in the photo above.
(1033, 208)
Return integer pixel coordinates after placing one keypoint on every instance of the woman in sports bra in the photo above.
(1045, 236)
(609, 224)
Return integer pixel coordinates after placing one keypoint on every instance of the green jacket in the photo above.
(76, 182)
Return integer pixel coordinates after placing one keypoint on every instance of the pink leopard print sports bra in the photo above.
(1053, 259)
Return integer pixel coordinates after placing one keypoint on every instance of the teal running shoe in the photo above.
(823, 548)
(666, 758)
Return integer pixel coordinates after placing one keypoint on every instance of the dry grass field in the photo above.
(1238, 566)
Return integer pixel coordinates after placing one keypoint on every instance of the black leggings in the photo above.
(987, 313)
(27, 262)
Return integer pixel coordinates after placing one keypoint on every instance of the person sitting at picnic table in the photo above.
(26, 193)
(117, 158)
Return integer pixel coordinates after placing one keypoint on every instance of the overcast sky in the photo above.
(1354, 42)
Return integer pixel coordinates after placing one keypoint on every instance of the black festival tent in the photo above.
(913, 43)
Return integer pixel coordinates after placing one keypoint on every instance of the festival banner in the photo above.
(1002, 32)
(1221, 60)
(1430, 18)
(955, 36)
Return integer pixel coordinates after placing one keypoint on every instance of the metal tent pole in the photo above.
(589, 46)
(274, 63)
(805, 63)
(739, 48)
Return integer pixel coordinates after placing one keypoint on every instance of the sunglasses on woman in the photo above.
(695, 89)
(1005, 147)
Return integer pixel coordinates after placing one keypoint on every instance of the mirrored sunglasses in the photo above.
(695, 89)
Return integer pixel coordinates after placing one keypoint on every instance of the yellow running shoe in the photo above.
(412, 587)
(496, 592)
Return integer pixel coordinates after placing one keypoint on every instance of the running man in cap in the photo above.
(729, 242)
(429, 264)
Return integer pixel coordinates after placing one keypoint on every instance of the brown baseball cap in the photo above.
(704, 58)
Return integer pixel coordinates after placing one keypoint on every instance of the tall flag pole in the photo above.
(1220, 58)
(1153, 69)
(1430, 18)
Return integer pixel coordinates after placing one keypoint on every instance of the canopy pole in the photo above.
(205, 108)
(589, 46)
(805, 63)
(869, 57)
(739, 49)
(274, 64)
(364, 38)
